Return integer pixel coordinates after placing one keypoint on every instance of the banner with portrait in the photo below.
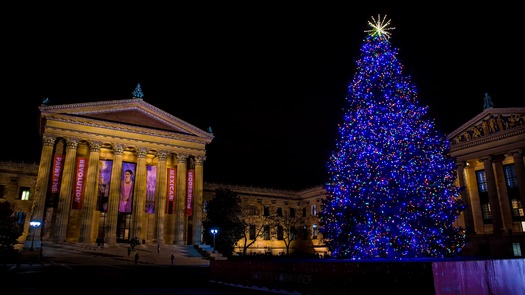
(104, 179)
(127, 185)
(151, 182)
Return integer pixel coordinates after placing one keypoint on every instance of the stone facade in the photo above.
(17, 186)
(76, 196)
(489, 151)
(290, 217)
(76, 202)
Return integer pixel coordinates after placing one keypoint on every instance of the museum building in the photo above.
(124, 169)
(103, 166)
(489, 151)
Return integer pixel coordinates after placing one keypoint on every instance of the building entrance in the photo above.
(124, 228)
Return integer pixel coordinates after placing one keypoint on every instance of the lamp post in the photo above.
(214, 231)
(34, 224)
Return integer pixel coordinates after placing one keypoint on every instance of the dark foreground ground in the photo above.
(74, 268)
(60, 279)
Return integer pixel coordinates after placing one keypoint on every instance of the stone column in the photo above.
(465, 196)
(139, 195)
(114, 195)
(64, 199)
(160, 196)
(495, 208)
(90, 192)
(197, 201)
(501, 185)
(520, 173)
(42, 182)
(180, 200)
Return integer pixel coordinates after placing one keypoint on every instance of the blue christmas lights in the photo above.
(391, 191)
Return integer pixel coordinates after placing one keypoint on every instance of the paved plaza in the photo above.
(116, 254)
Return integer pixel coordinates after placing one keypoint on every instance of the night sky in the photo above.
(270, 80)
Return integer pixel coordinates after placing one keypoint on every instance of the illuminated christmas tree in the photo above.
(391, 191)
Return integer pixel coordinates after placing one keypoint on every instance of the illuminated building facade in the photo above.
(489, 151)
(123, 169)
(118, 170)
(17, 184)
(277, 218)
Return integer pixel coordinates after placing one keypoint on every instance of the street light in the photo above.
(34, 224)
(214, 231)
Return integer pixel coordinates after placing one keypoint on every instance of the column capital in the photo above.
(492, 158)
(199, 160)
(461, 165)
(118, 149)
(48, 140)
(162, 155)
(94, 146)
(142, 152)
(486, 158)
(516, 152)
(72, 143)
(181, 158)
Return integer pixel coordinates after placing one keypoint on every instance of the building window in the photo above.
(517, 209)
(2, 191)
(102, 224)
(252, 210)
(266, 210)
(279, 211)
(292, 212)
(483, 191)
(314, 232)
(510, 175)
(124, 228)
(266, 232)
(20, 218)
(304, 233)
(482, 181)
(24, 193)
(293, 232)
(252, 232)
(280, 233)
(304, 211)
(516, 249)
(511, 179)
(314, 210)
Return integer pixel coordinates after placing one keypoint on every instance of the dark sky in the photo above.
(270, 80)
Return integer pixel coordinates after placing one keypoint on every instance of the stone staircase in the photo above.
(209, 252)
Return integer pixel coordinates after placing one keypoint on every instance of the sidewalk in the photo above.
(89, 254)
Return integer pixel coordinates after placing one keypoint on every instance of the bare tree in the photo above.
(254, 223)
(289, 225)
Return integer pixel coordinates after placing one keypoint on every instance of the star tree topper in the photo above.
(380, 27)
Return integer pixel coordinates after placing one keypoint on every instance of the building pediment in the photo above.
(491, 123)
(135, 112)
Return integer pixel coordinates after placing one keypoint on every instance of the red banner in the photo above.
(57, 172)
(79, 182)
(172, 183)
(189, 197)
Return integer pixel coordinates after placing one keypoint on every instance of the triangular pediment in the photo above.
(135, 112)
(489, 123)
